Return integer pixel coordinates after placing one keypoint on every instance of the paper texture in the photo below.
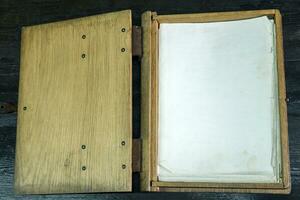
(218, 102)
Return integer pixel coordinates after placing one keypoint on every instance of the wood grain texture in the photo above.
(216, 185)
(154, 101)
(282, 102)
(15, 14)
(146, 101)
(213, 17)
(232, 190)
(248, 187)
(75, 90)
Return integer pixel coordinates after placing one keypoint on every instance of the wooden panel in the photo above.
(226, 187)
(213, 17)
(239, 190)
(74, 129)
(282, 102)
(146, 101)
(154, 100)
(149, 100)
(215, 185)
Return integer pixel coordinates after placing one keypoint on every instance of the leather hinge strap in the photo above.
(136, 155)
(136, 41)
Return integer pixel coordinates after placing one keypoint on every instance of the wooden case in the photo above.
(74, 132)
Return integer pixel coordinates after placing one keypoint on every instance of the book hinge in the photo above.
(8, 107)
(136, 155)
(136, 41)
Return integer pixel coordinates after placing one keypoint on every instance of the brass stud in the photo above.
(123, 49)
(24, 108)
(123, 29)
(123, 143)
(83, 168)
(83, 55)
(123, 166)
(83, 146)
(83, 36)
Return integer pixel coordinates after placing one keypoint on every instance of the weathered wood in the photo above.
(74, 129)
(146, 101)
(213, 17)
(18, 13)
(285, 157)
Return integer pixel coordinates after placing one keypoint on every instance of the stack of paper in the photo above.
(218, 102)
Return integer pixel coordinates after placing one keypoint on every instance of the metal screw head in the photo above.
(123, 29)
(83, 36)
(123, 49)
(83, 146)
(123, 143)
(24, 108)
(123, 166)
(83, 168)
(83, 55)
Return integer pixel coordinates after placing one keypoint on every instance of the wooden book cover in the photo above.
(74, 116)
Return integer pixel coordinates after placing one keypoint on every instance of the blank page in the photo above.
(218, 102)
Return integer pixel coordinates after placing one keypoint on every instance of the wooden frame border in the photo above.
(149, 107)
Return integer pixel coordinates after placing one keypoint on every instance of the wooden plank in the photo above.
(213, 17)
(75, 106)
(238, 190)
(282, 102)
(146, 101)
(216, 185)
(154, 99)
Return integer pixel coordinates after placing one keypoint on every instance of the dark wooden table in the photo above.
(15, 14)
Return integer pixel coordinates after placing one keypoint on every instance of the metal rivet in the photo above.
(123, 166)
(83, 55)
(83, 168)
(83, 146)
(123, 49)
(123, 29)
(83, 36)
(287, 99)
(25, 108)
(123, 143)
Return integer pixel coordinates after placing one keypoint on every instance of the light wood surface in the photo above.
(282, 102)
(154, 99)
(216, 185)
(214, 16)
(75, 90)
(146, 101)
(283, 187)
(239, 190)
(149, 106)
